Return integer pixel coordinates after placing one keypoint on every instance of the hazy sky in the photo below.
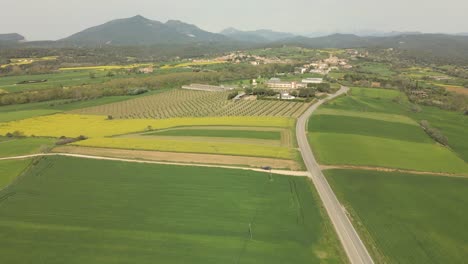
(54, 19)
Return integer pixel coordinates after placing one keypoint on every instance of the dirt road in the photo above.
(352, 243)
(280, 172)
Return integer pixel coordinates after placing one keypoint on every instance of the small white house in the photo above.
(285, 96)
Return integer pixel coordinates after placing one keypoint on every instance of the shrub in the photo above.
(434, 133)
(232, 95)
(415, 108)
(64, 140)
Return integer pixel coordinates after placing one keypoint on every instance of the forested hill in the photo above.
(138, 30)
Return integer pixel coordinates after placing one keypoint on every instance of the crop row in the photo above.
(186, 103)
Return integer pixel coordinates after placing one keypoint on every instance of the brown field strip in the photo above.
(181, 157)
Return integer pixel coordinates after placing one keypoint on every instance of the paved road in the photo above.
(280, 172)
(353, 245)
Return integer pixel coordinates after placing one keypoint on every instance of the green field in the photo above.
(68, 210)
(380, 69)
(375, 127)
(368, 127)
(58, 79)
(453, 125)
(23, 146)
(349, 149)
(406, 218)
(273, 135)
(10, 169)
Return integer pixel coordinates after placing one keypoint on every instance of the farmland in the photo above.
(212, 215)
(191, 64)
(25, 61)
(23, 146)
(10, 169)
(72, 125)
(106, 67)
(406, 218)
(23, 111)
(58, 79)
(224, 133)
(192, 146)
(371, 128)
(186, 103)
(131, 134)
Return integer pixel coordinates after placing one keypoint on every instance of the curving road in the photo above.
(353, 245)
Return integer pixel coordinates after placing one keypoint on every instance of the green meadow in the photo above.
(375, 127)
(350, 149)
(273, 135)
(406, 218)
(69, 210)
(10, 169)
(23, 146)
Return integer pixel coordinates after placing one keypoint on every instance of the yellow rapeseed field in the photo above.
(25, 61)
(93, 126)
(225, 148)
(106, 67)
(188, 64)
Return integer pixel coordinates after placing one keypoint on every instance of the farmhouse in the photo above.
(285, 96)
(146, 70)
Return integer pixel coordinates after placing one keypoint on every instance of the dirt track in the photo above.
(280, 172)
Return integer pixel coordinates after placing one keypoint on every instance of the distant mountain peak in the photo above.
(13, 37)
(139, 30)
(261, 35)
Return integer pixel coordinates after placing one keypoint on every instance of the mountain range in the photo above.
(14, 37)
(140, 31)
(258, 36)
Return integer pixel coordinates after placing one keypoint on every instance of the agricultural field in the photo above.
(217, 132)
(191, 64)
(130, 134)
(212, 215)
(24, 146)
(380, 69)
(187, 103)
(107, 67)
(10, 169)
(405, 218)
(375, 127)
(72, 125)
(24, 111)
(25, 61)
(58, 79)
(193, 146)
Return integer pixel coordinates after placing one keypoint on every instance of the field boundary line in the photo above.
(384, 169)
(279, 172)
